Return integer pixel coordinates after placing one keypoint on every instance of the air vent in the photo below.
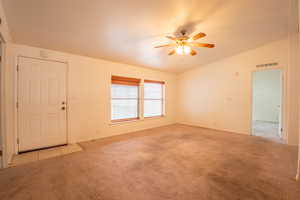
(267, 65)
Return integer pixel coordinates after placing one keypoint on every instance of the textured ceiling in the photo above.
(126, 30)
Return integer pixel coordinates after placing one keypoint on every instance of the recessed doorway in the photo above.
(267, 104)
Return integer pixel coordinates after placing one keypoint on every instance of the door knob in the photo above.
(63, 108)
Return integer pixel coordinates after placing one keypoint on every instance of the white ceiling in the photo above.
(126, 30)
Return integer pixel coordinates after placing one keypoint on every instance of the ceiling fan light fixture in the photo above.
(183, 50)
(184, 43)
(180, 50)
(186, 49)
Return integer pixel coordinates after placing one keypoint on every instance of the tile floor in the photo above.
(44, 154)
(269, 130)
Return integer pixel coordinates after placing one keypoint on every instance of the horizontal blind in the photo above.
(124, 98)
(125, 80)
(153, 98)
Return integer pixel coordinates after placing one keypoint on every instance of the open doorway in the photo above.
(267, 104)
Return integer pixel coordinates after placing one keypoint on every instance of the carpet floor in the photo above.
(174, 162)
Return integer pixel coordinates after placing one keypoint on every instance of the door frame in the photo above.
(17, 97)
(3, 161)
(283, 100)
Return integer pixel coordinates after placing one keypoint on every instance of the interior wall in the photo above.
(218, 95)
(266, 95)
(293, 77)
(89, 94)
(5, 38)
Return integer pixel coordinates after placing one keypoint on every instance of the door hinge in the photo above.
(18, 141)
(17, 68)
(17, 104)
(281, 129)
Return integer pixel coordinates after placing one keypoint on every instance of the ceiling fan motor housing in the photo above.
(183, 32)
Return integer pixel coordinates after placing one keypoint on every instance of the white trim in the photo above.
(4, 160)
(141, 99)
(283, 101)
(136, 120)
(195, 124)
(16, 134)
(298, 170)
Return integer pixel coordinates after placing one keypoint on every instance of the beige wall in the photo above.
(218, 95)
(293, 70)
(89, 94)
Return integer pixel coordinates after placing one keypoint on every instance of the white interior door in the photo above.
(42, 116)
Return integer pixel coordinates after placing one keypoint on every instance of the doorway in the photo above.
(267, 90)
(42, 104)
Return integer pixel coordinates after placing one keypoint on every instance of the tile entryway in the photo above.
(24, 158)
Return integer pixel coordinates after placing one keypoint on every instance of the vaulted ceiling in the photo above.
(126, 31)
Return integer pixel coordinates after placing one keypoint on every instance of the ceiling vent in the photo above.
(267, 65)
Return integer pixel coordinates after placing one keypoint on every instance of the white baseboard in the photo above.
(97, 137)
(213, 128)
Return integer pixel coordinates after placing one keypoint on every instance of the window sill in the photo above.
(154, 117)
(124, 120)
(120, 122)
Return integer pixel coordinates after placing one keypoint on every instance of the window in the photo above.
(124, 99)
(153, 98)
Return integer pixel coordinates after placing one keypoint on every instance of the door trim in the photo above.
(4, 154)
(17, 151)
(283, 101)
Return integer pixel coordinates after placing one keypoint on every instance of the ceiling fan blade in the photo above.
(193, 52)
(165, 45)
(171, 38)
(201, 45)
(171, 52)
(198, 36)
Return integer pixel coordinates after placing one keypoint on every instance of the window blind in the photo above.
(153, 98)
(124, 98)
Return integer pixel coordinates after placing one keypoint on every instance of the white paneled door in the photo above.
(42, 115)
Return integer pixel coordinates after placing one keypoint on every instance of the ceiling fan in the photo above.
(183, 44)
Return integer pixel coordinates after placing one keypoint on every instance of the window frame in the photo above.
(119, 80)
(162, 83)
